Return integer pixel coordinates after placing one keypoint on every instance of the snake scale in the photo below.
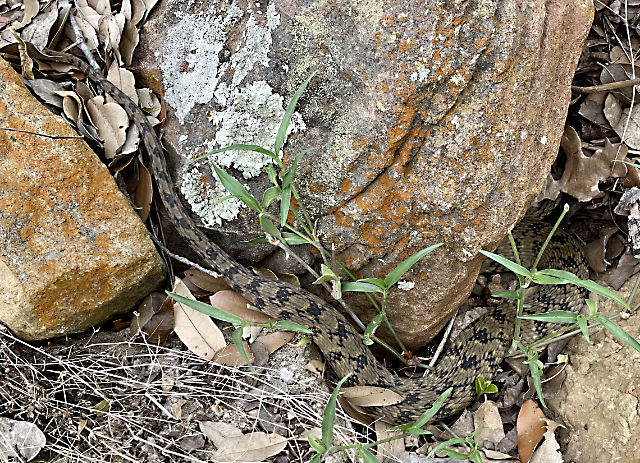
(478, 350)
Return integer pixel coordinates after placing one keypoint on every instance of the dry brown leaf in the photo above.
(274, 341)
(47, 90)
(195, 290)
(155, 318)
(71, 105)
(145, 310)
(149, 4)
(110, 29)
(627, 266)
(206, 281)
(257, 446)
(549, 451)
(595, 251)
(582, 174)
(85, 19)
(218, 432)
(617, 73)
(388, 449)
(129, 41)
(612, 110)
(356, 412)
(494, 455)
(592, 108)
(39, 30)
(231, 357)
(144, 193)
(232, 302)
(124, 80)
(137, 11)
(628, 127)
(488, 424)
(148, 101)
(20, 440)
(132, 143)
(370, 396)
(31, 8)
(531, 427)
(177, 408)
(196, 330)
(111, 120)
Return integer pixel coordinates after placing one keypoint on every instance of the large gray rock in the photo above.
(430, 121)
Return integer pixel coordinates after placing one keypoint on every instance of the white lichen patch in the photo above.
(190, 65)
(252, 116)
(206, 201)
(251, 112)
(406, 285)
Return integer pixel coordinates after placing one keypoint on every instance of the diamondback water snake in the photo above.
(478, 350)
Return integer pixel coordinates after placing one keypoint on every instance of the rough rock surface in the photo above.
(598, 401)
(430, 121)
(72, 250)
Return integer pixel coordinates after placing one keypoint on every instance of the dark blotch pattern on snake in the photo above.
(478, 350)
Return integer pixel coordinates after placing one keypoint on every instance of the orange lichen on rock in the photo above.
(75, 251)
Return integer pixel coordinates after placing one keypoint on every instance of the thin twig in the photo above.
(605, 87)
(445, 337)
(184, 260)
(55, 137)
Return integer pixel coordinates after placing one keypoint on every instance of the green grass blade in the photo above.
(506, 295)
(367, 456)
(437, 405)
(237, 189)
(395, 275)
(542, 279)
(371, 328)
(285, 204)
(269, 195)
(208, 310)
(374, 281)
(238, 147)
(358, 286)
(583, 325)
(288, 325)
(618, 332)
(447, 443)
(329, 415)
(515, 268)
(288, 113)
(555, 316)
(236, 336)
(269, 228)
(587, 284)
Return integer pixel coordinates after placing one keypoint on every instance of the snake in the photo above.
(478, 350)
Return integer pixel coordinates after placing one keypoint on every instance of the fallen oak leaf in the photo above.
(111, 120)
(257, 446)
(531, 428)
(549, 451)
(196, 330)
(370, 396)
(234, 303)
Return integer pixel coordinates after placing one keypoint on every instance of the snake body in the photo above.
(478, 350)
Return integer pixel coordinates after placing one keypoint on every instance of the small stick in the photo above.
(434, 359)
(184, 260)
(605, 87)
(55, 137)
